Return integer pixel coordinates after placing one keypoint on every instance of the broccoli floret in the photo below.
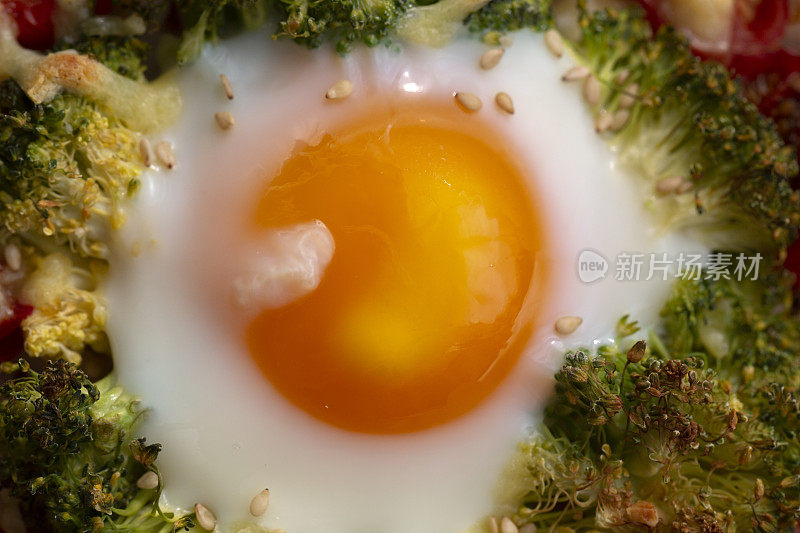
(511, 15)
(708, 159)
(206, 21)
(344, 22)
(67, 452)
(697, 435)
(123, 55)
(68, 314)
(65, 168)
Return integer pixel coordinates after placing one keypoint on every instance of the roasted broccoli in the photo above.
(65, 167)
(711, 162)
(123, 55)
(698, 434)
(206, 21)
(68, 452)
(511, 15)
(69, 313)
(344, 22)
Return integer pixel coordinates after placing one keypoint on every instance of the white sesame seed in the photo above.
(259, 503)
(528, 528)
(576, 73)
(507, 526)
(506, 41)
(669, 185)
(224, 120)
(226, 84)
(340, 89)
(13, 257)
(567, 324)
(468, 101)
(146, 151)
(165, 154)
(628, 96)
(684, 187)
(504, 102)
(493, 527)
(603, 121)
(554, 43)
(622, 77)
(591, 90)
(148, 480)
(619, 119)
(205, 518)
(491, 57)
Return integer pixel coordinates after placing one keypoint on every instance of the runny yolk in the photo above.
(427, 302)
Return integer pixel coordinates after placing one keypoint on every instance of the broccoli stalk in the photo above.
(67, 452)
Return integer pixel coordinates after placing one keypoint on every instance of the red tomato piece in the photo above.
(34, 20)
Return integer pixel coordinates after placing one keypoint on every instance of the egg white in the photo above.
(226, 433)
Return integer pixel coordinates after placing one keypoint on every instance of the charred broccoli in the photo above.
(68, 452)
(697, 434)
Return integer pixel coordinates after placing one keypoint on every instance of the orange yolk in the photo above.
(427, 302)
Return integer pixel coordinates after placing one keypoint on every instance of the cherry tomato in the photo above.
(34, 19)
(11, 338)
(103, 7)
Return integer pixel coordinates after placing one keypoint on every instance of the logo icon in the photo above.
(592, 266)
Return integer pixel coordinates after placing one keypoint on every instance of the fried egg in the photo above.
(352, 301)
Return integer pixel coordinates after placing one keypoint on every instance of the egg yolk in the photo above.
(428, 300)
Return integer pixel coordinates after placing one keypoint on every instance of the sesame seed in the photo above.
(669, 185)
(226, 84)
(165, 154)
(567, 324)
(259, 503)
(504, 102)
(506, 41)
(528, 528)
(148, 480)
(468, 101)
(493, 527)
(622, 77)
(684, 187)
(620, 118)
(628, 97)
(13, 257)
(591, 90)
(340, 89)
(576, 73)
(146, 151)
(603, 121)
(507, 526)
(554, 43)
(205, 518)
(224, 120)
(491, 58)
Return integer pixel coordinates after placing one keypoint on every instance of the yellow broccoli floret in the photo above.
(69, 312)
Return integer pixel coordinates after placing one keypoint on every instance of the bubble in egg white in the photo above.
(226, 433)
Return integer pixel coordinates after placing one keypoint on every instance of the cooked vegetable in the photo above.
(711, 161)
(696, 434)
(511, 15)
(68, 312)
(205, 21)
(68, 452)
(65, 167)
